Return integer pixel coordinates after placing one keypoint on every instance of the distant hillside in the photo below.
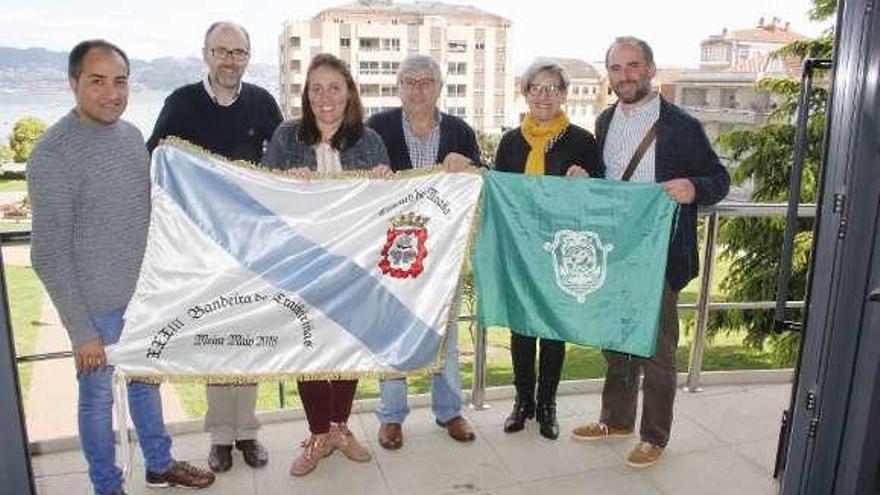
(38, 69)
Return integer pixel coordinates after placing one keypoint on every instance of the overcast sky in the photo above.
(580, 29)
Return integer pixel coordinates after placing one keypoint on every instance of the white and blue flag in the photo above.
(249, 273)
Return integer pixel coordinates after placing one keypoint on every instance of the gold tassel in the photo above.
(185, 145)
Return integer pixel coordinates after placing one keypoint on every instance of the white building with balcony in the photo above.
(373, 36)
(721, 93)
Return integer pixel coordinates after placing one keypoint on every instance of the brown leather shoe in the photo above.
(459, 429)
(181, 474)
(391, 436)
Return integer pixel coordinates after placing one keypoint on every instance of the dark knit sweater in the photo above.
(237, 132)
(89, 188)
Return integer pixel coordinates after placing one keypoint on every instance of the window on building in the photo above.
(369, 44)
(729, 99)
(369, 90)
(480, 45)
(389, 90)
(693, 97)
(296, 89)
(295, 66)
(345, 42)
(368, 68)
(457, 68)
(294, 42)
(456, 111)
(456, 90)
(456, 46)
(391, 44)
(390, 68)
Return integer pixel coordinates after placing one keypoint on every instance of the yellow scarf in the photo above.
(538, 135)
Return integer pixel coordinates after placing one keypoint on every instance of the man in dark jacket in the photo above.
(682, 160)
(419, 135)
(235, 120)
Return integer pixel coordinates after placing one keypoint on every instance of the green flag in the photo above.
(579, 260)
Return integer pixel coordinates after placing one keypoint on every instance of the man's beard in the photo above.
(642, 90)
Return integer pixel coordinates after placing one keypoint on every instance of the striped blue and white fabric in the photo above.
(250, 274)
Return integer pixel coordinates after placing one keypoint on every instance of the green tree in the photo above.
(24, 136)
(488, 145)
(753, 246)
(6, 154)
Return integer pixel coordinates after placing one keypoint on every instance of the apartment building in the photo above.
(373, 36)
(721, 93)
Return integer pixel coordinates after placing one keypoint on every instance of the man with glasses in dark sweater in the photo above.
(233, 119)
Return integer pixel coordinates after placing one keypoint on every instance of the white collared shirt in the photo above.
(327, 158)
(206, 82)
(625, 133)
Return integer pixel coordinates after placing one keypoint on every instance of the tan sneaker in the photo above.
(599, 431)
(643, 455)
(343, 439)
(314, 448)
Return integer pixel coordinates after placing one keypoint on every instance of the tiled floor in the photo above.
(723, 442)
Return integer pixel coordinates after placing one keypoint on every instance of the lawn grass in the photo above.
(13, 185)
(25, 303)
(6, 225)
(725, 352)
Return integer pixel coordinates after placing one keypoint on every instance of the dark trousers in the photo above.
(522, 351)
(620, 394)
(326, 401)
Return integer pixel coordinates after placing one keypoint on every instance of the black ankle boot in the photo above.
(523, 409)
(546, 416)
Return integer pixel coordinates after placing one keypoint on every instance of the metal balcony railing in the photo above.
(703, 305)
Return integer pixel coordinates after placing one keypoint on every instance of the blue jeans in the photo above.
(446, 395)
(96, 419)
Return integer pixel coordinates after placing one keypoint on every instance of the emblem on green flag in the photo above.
(579, 261)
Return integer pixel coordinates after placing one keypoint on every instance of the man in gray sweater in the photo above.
(88, 181)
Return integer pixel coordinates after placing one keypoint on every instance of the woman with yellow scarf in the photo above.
(546, 143)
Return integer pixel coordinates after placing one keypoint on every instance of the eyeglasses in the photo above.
(547, 89)
(237, 54)
(417, 83)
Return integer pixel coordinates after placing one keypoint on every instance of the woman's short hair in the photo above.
(416, 63)
(544, 65)
(352, 127)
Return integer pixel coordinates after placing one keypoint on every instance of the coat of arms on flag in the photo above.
(404, 252)
(249, 273)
